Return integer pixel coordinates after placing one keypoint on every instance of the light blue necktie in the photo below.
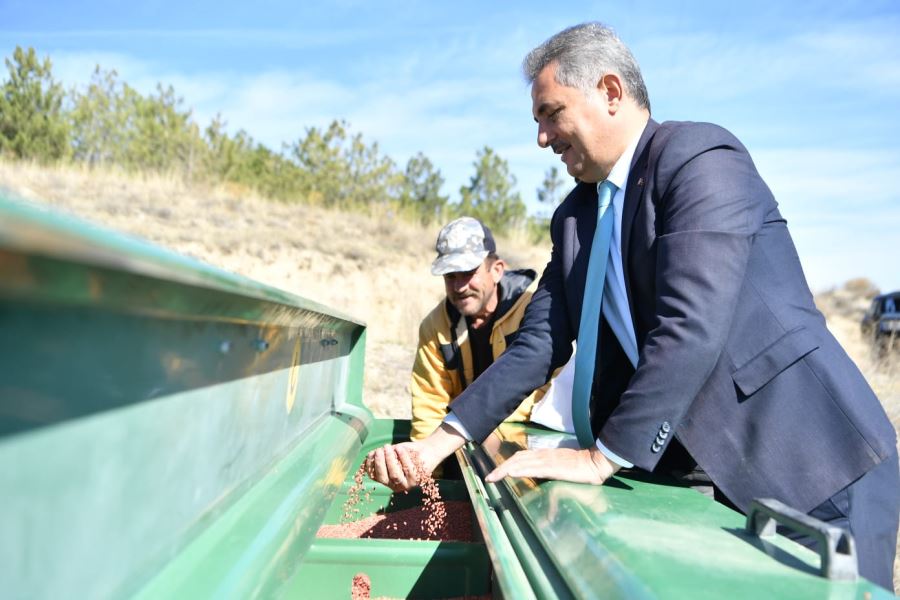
(586, 354)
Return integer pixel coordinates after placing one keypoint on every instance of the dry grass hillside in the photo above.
(844, 308)
(374, 267)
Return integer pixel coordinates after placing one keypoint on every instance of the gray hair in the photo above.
(585, 53)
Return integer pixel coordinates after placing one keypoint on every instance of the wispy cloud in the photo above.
(843, 180)
(842, 209)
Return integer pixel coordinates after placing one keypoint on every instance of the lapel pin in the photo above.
(640, 181)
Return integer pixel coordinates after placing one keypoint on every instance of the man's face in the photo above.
(575, 125)
(474, 293)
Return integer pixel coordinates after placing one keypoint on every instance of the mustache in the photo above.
(462, 296)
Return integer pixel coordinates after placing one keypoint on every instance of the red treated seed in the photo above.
(433, 520)
(361, 588)
(408, 524)
(350, 512)
(436, 514)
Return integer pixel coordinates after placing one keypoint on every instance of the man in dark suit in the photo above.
(711, 354)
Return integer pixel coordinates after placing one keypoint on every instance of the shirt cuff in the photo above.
(454, 422)
(610, 455)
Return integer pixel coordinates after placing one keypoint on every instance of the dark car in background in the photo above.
(882, 321)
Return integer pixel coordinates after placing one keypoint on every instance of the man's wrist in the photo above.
(612, 456)
(453, 421)
(445, 440)
(605, 468)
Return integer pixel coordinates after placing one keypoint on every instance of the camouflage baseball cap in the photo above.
(461, 246)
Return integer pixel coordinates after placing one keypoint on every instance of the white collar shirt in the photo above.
(615, 297)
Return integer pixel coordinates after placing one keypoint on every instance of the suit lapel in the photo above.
(637, 179)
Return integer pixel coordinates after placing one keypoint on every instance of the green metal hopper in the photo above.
(169, 430)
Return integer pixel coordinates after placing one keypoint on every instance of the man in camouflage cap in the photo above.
(462, 245)
(468, 329)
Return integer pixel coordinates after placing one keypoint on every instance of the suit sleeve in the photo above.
(710, 208)
(543, 344)
(431, 385)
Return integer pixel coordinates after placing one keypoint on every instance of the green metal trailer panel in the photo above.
(166, 429)
(643, 536)
(169, 430)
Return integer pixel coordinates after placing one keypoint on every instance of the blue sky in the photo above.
(812, 88)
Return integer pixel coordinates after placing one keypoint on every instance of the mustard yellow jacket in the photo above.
(443, 366)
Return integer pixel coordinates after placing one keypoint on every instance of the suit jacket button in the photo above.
(666, 427)
(655, 448)
(662, 434)
(660, 440)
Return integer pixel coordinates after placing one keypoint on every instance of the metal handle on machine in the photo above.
(835, 546)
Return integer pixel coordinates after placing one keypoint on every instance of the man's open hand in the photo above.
(565, 464)
(393, 465)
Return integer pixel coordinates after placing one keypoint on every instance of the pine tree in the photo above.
(339, 170)
(165, 137)
(490, 195)
(553, 189)
(101, 120)
(32, 124)
(421, 191)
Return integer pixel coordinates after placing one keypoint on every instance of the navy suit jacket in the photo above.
(734, 355)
